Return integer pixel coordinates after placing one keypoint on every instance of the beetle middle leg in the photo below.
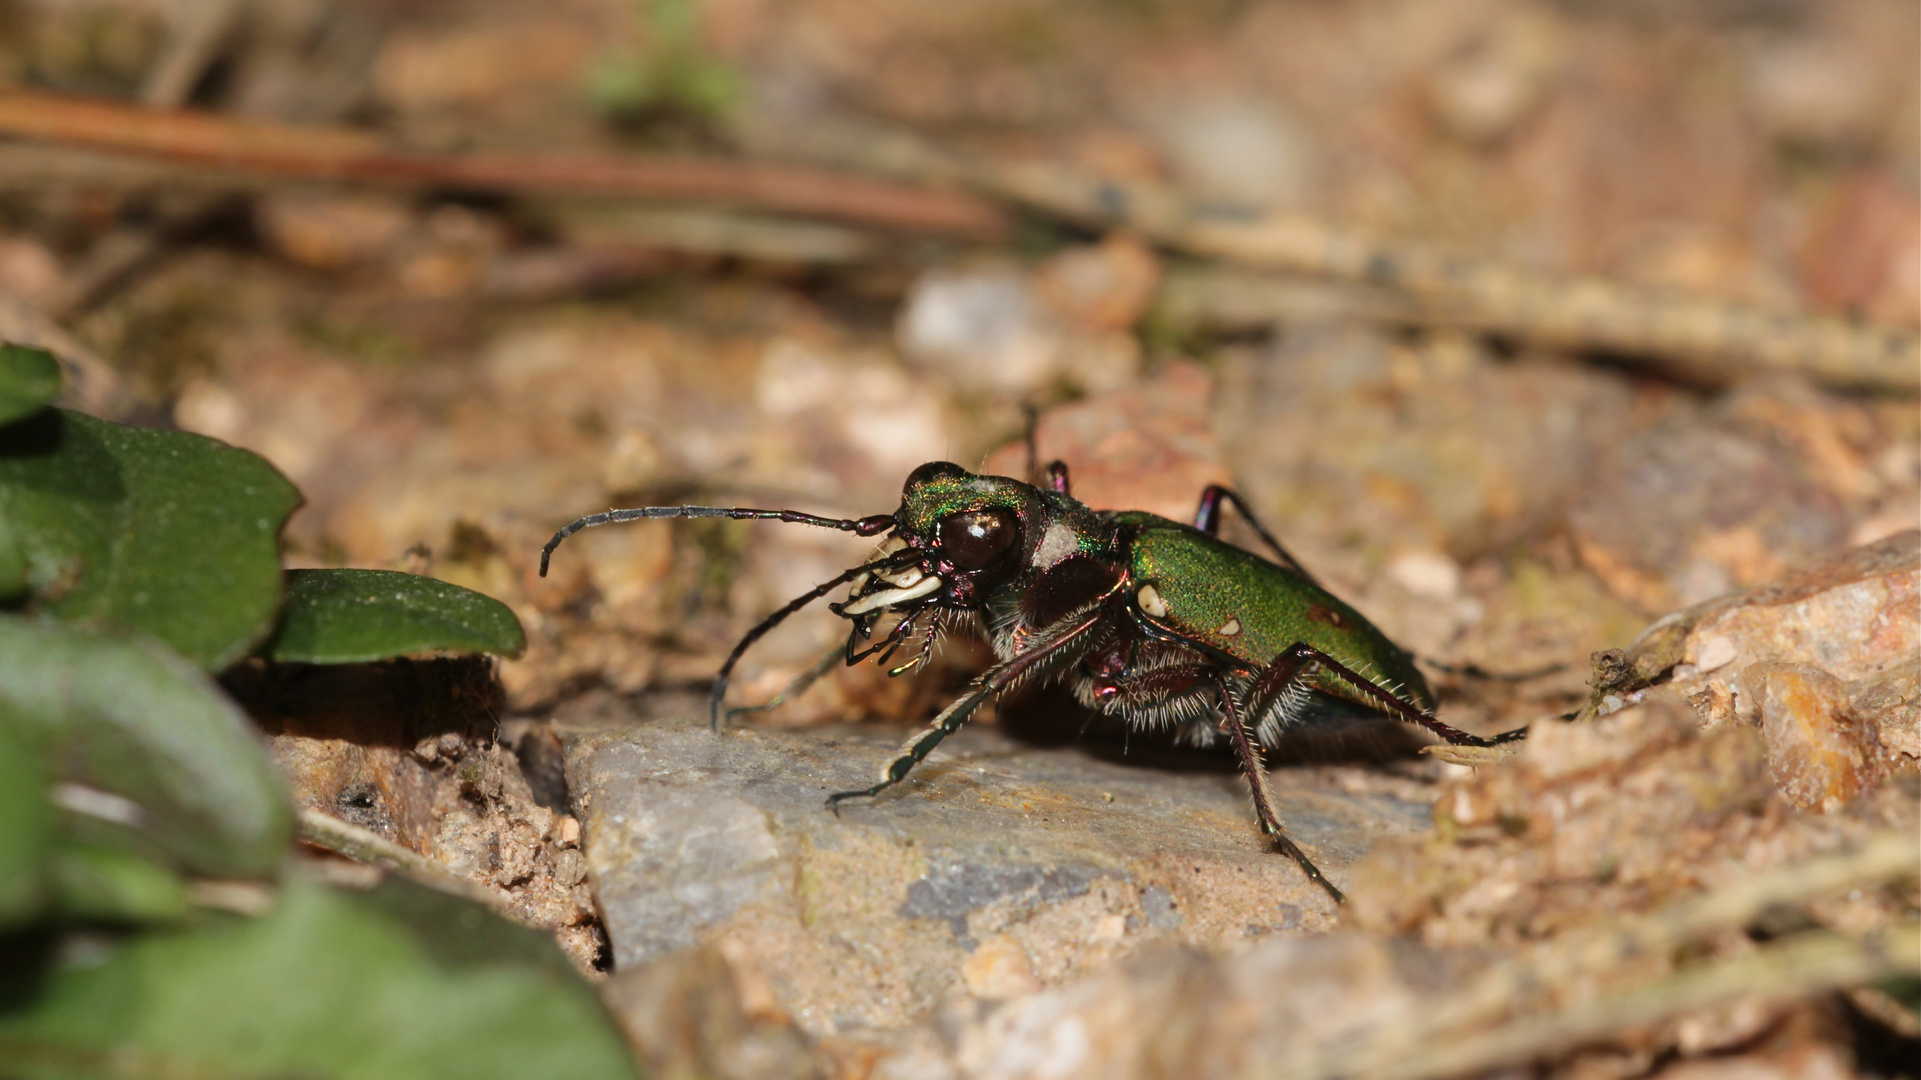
(1207, 518)
(1149, 685)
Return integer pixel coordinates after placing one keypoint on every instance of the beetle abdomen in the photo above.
(1234, 603)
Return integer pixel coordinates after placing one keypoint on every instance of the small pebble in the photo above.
(570, 867)
(1427, 573)
(998, 969)
(1821, 755)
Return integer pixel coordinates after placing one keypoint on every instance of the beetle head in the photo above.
(957, 537)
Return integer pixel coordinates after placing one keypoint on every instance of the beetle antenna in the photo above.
(867, 526)
(771, 621)
(1031, 417)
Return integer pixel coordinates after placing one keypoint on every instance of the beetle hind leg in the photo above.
(1278, 683)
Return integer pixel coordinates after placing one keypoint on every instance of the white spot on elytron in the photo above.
(981, 483)
(1150, 600)
(1231, 627)
(889, 597)
(1057, 543)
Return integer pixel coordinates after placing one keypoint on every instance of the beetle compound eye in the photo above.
(975, 538)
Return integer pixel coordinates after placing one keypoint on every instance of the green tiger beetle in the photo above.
(1155, 621)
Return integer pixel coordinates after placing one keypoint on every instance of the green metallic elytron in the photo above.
(1160, 623)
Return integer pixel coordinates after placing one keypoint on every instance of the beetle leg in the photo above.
(986, 685)
(1057, 477)
(1207, 518)
(1476, 671)
(796, 687)
(740, 648)
(1256, 771)
(1030, 438)
(1286, 672)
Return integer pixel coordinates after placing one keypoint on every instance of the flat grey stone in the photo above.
(868, 918)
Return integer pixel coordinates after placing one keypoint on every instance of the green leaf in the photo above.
(97, 882)
(326, 985)
(13, 564)
(26, 828)
(149, 756)
(172, 533)
(29, 381)
(353, 616)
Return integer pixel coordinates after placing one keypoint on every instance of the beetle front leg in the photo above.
(991, 682)
(1264, 801)
(914, 750)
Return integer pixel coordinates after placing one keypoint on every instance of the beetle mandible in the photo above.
(1158, 622)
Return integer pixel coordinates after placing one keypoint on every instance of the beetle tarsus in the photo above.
(1287, 668)
(1476, 671)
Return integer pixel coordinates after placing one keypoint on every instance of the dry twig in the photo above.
(359, 844)
(1806, 964)
(1405, 283)
(344, 155)
(1454, 1036)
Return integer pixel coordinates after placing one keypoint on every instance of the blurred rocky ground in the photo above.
(450, 375)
